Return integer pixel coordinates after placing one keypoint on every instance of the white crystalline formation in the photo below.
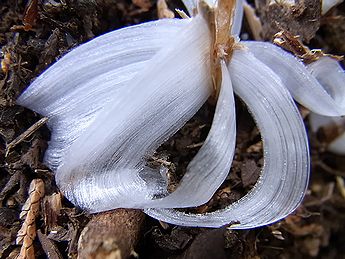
(114, 100)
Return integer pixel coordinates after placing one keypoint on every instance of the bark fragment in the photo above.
(51, 210)
(111, 234)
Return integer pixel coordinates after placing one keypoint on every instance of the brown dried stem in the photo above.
(294, 45)
(222, 45)
(30, 211)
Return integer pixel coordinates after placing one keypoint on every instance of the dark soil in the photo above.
(33, 38)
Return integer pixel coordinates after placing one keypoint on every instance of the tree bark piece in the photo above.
(111, 235)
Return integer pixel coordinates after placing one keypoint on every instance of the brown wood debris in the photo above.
(163, 10)
(51, 207)
(294, 45)
(326, 134)
(30, 17)
(30, 211)
(111, 235)
(300, 18)
(25, 134)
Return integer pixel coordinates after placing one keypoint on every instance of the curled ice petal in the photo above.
(325, 99)
(284, 179)
(107, 162)
(332, 77)
(103, 54)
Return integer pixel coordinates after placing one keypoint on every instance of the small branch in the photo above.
(25, 135)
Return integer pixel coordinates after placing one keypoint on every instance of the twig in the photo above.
(195, 145)
(25, 135)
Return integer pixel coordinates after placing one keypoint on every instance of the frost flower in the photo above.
(114, 100)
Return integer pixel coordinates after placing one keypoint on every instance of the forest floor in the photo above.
(35, 37)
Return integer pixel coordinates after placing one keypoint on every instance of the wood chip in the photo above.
(111, 234)
(163, 10)
(51, 210)
(30, 15)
